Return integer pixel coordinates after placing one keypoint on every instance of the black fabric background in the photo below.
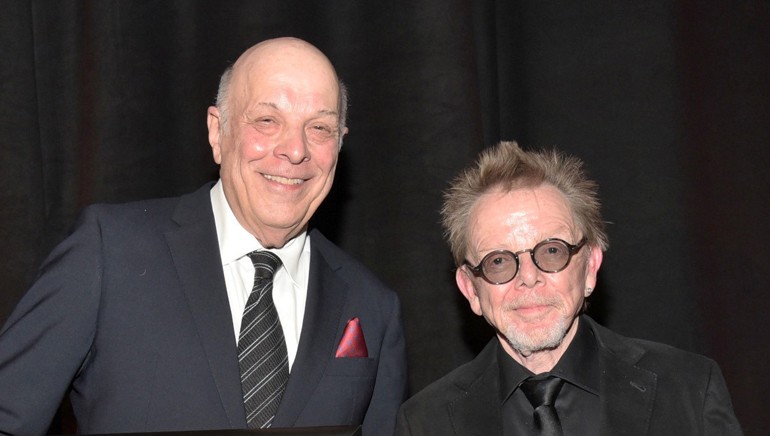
(667, 102)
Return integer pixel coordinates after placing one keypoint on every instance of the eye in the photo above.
(321, 132)
(266, 125)
(552, 255)
(553, 249)
(498, 262)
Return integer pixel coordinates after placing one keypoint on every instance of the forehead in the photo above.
(285, 74)
(523, 215)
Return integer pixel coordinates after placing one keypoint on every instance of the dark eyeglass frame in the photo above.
(478, 271)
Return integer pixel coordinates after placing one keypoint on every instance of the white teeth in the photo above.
(283, 180)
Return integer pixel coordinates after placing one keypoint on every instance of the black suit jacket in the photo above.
(646, 388)
(131, 313)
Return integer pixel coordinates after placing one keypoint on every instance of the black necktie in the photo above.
(262, 354)
(541, 391)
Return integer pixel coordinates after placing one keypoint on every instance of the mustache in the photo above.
(532, 300)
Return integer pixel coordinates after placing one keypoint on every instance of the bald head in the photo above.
(280, 49)
(286, 53)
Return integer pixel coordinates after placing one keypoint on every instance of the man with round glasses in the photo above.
(527, 235)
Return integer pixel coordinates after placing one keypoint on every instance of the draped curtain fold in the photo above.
(667, 102)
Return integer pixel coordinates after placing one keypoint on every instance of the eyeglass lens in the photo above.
(548, 256)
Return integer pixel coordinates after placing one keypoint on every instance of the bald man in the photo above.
(137, 315)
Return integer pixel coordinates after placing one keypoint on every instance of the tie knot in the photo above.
(265, 263)
(541, 390)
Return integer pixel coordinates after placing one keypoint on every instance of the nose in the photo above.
(293, 146)
(529, 274)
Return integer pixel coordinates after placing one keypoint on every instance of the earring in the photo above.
(588, 291)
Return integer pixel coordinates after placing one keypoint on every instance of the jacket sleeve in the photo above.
(391, 385)
(402, 424)
(718, 415)
(47, 337)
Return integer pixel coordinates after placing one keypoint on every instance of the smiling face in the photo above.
(278, 148)
(535, 311)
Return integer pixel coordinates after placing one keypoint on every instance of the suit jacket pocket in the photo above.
(352, 367)
(343, 394)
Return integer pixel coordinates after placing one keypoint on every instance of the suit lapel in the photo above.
(195, 251)
(627, 391)
(326, 296)
(477, 411)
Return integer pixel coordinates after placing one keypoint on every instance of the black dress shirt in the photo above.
(577, 405)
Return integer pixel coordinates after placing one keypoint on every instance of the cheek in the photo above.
(572, 290)
(232, 149)
(573, 280)
(325, 158)
(250, 145)
(491, 303)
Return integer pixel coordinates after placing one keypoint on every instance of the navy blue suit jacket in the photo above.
(646, 388)
(130, 315)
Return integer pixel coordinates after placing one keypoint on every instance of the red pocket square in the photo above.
(352, 343)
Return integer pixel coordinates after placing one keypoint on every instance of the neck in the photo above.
(275, 239)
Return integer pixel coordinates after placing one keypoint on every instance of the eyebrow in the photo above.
(328, 112)
(324, 112)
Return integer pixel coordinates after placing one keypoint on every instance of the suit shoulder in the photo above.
(664, 357)
(129, 210)
(155, 210)
(656, 356)
(477, 374)
(437, 394)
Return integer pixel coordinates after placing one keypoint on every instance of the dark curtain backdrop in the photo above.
(666, 101)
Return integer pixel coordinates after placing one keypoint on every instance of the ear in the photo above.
(592, 269)
(467, 288)
(342, 136)
(212, 121)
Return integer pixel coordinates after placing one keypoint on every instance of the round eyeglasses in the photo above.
(501, 266)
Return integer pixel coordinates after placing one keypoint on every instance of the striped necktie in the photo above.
(262, 354)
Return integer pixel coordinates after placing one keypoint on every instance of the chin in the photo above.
(540, 338)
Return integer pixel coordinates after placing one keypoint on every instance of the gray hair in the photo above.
(506, 166)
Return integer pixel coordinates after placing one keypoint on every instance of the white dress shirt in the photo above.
(289, 281)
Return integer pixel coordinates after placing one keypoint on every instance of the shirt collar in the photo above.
(511, 373)
(579, 365)
(236, 242)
